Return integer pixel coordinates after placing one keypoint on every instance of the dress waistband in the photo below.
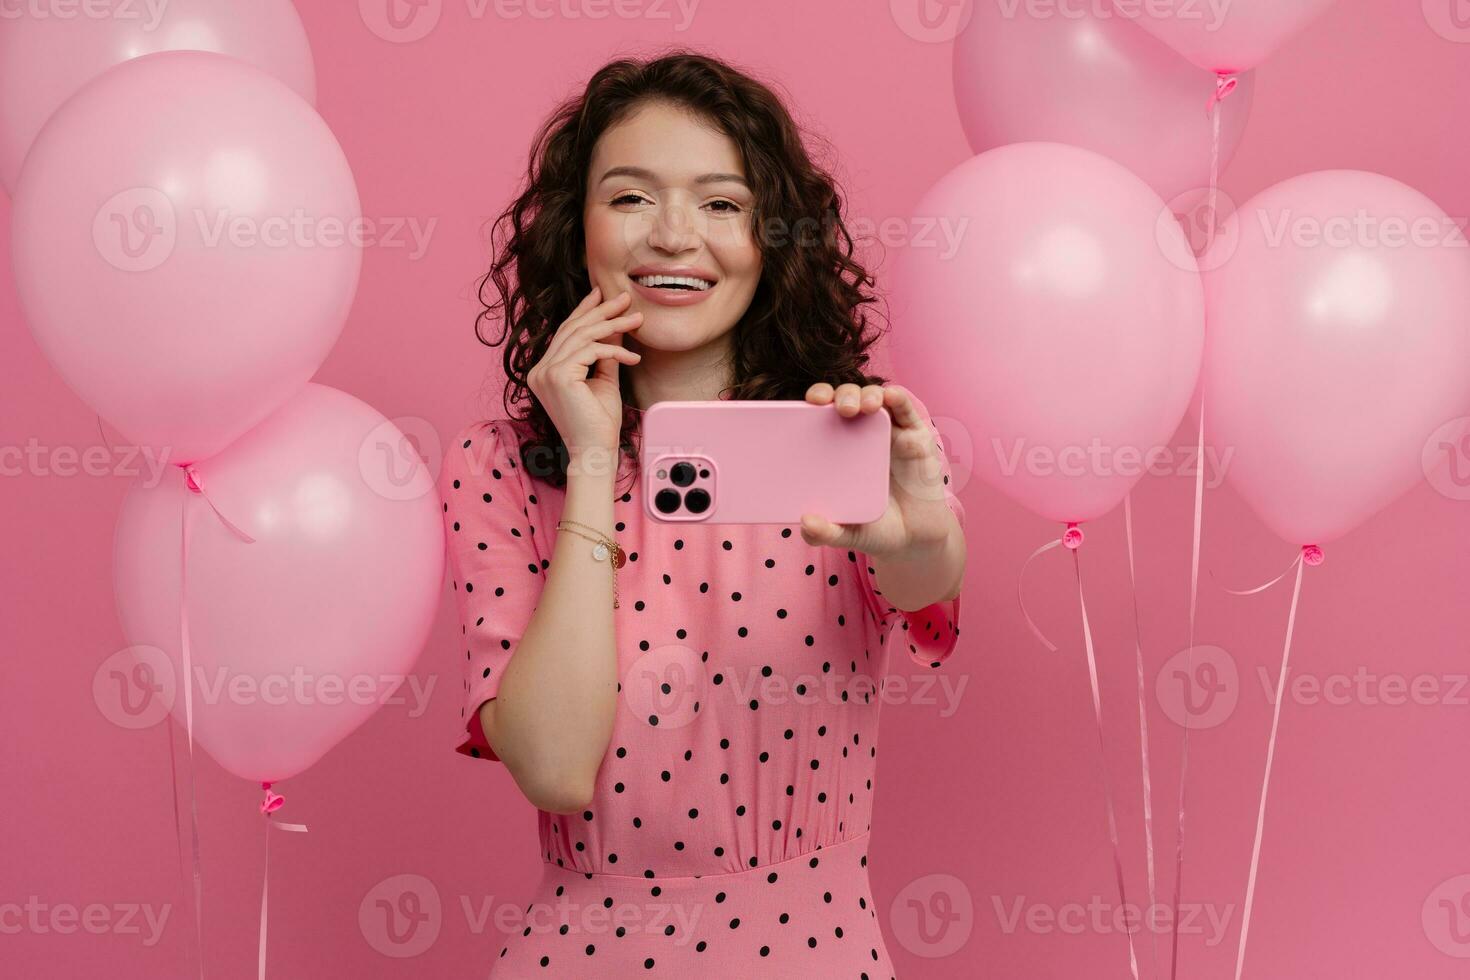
(821, 854)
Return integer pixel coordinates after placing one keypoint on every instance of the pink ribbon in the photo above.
(270, 804)
(1148, 806)
(1310, 555)
(193, 483)
(1071, 539)
(189, 718)
(1224, 85)
(1107, 784)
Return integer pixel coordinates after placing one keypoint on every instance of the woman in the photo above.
(703, 753)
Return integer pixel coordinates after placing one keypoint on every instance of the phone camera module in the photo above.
(667, 501)
(697, 501)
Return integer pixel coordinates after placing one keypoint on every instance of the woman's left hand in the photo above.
(917, 519)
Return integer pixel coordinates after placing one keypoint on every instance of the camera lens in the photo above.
(697, 501)
(666, 500)
(682, 474)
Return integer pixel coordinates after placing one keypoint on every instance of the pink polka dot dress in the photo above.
(728, 832)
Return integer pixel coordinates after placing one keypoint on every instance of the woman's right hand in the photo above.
(587, 410)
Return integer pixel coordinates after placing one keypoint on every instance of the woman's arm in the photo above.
(553, 717)
(929, 574)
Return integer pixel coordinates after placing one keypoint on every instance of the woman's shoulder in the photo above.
(484, 448)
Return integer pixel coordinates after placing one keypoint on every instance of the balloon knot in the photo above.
(272, 801)
(191, 479)
(1312, 554)
(1224, 84)
(1072, 537)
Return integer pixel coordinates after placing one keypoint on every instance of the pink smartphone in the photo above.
(763, 462)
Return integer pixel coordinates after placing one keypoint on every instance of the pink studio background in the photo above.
(1368, 800)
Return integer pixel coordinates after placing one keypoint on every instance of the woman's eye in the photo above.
(628, 198)
(730, 206)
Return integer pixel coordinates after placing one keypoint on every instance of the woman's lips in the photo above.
(671, 297)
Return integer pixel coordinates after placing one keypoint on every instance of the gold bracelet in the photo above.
(604, 546)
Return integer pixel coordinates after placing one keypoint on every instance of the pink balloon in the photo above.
(1339, 341)
(46, 57)
(1096, 82)
(297, 638)
(1060, 333)
(186, 247)
(1224, 36)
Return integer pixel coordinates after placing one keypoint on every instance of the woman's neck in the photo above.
(686, 375)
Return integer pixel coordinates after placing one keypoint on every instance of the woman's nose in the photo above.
(675, 228)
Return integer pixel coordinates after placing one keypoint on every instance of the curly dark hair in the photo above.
(806, 321)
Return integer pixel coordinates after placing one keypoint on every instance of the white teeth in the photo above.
(690, 281)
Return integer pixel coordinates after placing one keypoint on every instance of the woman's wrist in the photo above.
(592, 464)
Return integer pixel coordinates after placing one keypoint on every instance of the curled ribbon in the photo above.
(268, 805)
(272, 801)
(1224, 85)
(1021, 592)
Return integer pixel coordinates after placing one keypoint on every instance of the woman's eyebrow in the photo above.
(642, 174)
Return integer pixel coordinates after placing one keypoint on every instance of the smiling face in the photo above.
(668, 218)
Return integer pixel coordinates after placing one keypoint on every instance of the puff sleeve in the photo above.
(929, 634)
(496, 566)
